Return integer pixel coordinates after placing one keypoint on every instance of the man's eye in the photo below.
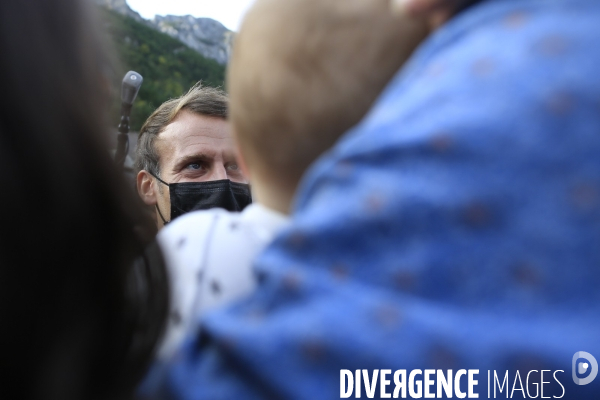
(194, 166)
(232, 167)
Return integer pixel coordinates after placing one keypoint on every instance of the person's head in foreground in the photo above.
(301, 74)
(70, 331)
(186, 159)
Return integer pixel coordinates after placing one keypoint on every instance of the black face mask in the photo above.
(192, 196)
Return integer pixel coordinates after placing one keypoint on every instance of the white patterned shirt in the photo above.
(209, 258)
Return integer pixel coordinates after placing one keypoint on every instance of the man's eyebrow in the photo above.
(198, 157)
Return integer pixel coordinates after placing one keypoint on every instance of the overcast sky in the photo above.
(227, 12)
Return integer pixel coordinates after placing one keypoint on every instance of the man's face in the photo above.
(192, 148)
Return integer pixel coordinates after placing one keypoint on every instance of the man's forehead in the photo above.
(191, 133)
(187, 124)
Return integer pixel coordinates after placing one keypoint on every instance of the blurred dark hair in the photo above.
(79, 322)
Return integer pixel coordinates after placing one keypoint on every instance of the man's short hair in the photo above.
(200, 100)
(303, 72)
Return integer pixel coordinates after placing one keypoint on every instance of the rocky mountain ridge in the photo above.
(204, 35)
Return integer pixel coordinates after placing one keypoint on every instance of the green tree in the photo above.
(168, 66)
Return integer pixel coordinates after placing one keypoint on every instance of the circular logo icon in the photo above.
(581, 367)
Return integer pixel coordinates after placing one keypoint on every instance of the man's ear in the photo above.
(146, 187)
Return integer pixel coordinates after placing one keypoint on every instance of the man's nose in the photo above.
(219, 172)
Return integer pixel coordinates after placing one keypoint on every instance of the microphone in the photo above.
(130, 88)
(132, 81)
